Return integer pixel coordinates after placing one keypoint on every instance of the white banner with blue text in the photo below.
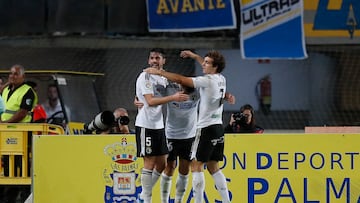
(272, 29)
(190, 15)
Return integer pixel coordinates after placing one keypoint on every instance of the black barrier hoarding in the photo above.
(127, 17)
(76, 16)
(22, 16)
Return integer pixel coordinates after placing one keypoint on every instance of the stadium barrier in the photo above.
(15, 150)
(332, 129)
(322, 167)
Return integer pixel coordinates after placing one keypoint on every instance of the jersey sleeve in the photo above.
(201, 81)
(146, 85)
(28, 100)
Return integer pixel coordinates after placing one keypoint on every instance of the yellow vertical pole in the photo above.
(24, 158)
(11, 165)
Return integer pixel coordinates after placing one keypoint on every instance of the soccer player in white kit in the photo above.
(149, 126)
(180, 128)
(208, 147)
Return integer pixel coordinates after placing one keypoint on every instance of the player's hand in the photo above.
(187, 54)
(230, 98)
(152, 70)
(137, 103)
(180, 96)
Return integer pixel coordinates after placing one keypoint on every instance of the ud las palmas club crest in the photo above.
(122, 181)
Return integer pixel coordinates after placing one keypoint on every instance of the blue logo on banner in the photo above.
(341, 19)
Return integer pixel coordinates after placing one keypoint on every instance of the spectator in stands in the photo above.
(243, 122)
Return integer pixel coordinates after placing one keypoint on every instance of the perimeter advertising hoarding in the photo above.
(311, 168)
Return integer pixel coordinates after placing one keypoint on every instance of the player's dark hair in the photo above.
(218, 60)
(159, 50)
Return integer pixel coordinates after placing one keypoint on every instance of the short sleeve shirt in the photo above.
(181, 117)
(150, 117)
(212, 89)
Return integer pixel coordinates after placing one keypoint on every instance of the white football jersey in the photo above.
(212, 89)
(150, 117)
(181, 117)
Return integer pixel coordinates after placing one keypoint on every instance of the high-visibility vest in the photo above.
(12, 104)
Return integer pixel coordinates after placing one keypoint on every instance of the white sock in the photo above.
(198, 186)
(181, 184)
(155, 176)
(165, 185)
(146, 184)
(220, 182)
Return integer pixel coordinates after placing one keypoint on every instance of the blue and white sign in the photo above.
(272, 29)
(190, 15)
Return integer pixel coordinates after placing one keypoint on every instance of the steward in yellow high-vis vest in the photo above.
(19, 98)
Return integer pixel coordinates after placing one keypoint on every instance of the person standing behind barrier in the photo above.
(208, 147)
(19, 98)
(149, 126)
(244, 121)
(121, 122)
